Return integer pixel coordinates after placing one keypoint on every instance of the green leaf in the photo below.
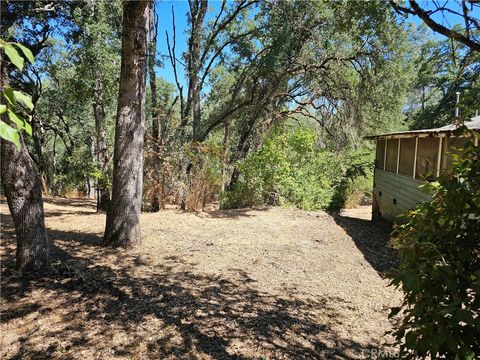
(15, 119)
(25, 99)
(9, 95)
(26, 51)
(9, 133)
(20, 122)
(14, 57)
(27, 127)
(3, 108)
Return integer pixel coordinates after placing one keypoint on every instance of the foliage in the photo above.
(75, 170)
(356, 180)
(80, 70)
(290, 169)
(440, 269)
(14, 97)
(444, 68)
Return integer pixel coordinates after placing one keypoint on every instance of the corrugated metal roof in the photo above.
(473, 124)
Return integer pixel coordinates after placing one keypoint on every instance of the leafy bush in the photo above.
(440, 268)
(290, 169)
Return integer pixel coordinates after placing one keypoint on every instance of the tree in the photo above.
(206, 46)
(313, 62)
(97, 36)
(198, 9)
(156, 140)
(35, 19)
(123, 215)
(20, 177)
(444, 67)
(466, 10)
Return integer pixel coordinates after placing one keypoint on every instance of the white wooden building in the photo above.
(404, 159)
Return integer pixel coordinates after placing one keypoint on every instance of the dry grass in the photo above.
(246, 284)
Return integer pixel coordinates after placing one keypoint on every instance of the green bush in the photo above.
(440, 266)
(289, 169)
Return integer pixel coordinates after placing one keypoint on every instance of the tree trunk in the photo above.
(152, 46)
(38, 137)
(101, 146)
(197, 14)
(243, 147)
(225, 154)
(24, 197)
(123, 215)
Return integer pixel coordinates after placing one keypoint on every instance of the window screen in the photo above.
(380, 154)
(427, 155)
(392, 153)
(407, 156)
(451, 146)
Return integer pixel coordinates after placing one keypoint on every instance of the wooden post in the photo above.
(439, 155)
(398, 154)
(415, 158)
(385, 155)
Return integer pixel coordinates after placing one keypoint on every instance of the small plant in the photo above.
(13, 97)
(440, 266)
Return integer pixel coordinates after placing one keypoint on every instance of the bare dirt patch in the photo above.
(247, 284)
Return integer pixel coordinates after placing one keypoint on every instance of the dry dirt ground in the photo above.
(246, 284)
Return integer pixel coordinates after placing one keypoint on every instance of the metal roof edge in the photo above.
(472, 124)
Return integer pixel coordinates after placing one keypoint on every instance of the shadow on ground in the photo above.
(101, 303)
(81, 203)
(371, 238)
(233, 214)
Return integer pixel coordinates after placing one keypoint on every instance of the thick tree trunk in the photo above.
(152, 45)
(123, 215)
(24, 196)
(101, 146)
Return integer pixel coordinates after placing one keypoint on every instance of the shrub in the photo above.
(440, 266)
(289, 169)
(175, 184)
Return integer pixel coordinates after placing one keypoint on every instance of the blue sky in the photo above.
(164, 12)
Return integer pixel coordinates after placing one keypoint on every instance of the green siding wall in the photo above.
(400, 187)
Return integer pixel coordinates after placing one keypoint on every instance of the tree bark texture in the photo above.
(198, 9)
(123, 215)
(152, 46)
(101, 146)
(24, 197)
